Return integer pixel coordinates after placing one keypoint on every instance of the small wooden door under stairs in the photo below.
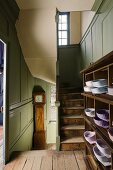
(71, 121)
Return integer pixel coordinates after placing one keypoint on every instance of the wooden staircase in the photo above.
(71, 121)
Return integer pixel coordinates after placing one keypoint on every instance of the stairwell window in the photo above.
(63, 28)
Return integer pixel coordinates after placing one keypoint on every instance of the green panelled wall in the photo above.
(98, 39)
(20, 83)
(69, 56)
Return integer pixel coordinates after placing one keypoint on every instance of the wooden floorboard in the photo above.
(47, 160)
(80, 160)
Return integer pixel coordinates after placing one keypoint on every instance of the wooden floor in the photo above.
(47, 160)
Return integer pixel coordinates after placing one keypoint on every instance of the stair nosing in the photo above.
(64, 140)
(74, 108)
(72, 116)
(77, 127)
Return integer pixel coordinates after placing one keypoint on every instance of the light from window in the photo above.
(63, 30)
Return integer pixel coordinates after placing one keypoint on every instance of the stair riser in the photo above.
(71, 147)
(71, 133)
(73, 111)
(70, 96)
(75, 121)
(78, 103)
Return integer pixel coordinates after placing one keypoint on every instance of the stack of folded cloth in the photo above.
(98, 86)
(102, 152)
(102, 118)
(90, 137)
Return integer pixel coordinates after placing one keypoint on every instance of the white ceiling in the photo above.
(36, 29)
(62, 5)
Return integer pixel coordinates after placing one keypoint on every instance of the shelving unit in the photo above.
(102, 69)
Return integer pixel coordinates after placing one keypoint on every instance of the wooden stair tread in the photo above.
(74, 108)
(73, 140)
(63, 94)
(72, 117)
(73, 127)
(72, 100)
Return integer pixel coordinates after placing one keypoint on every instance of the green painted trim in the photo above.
(58, 143)
(96, 5)
(20, 104)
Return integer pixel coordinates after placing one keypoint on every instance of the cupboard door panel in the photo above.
(97, 39)
(24, 77)
(83, 50)
(30, 84)
(108, 33)
(14, 69)
(24, 117)
(14, 125)
(88, 58)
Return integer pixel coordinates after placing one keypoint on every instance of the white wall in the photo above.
(37, 34)
(86, 18)
(75, 27)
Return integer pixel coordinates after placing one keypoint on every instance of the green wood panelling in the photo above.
(24, 117)
(97, 39)
(108, 33)
(88, 56)
(24, 80)
(3, 25)
(69, 74)
(101, 29)
(14, 125)
(14, 68)
(22, 144)
(30, 111)
(30, 84)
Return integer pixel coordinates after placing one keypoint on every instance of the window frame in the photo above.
(68, 28)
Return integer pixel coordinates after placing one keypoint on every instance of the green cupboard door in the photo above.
(24, 80)
(97, 38)
(88, 58)
(30, 84)
(108, 33)
(14, 68)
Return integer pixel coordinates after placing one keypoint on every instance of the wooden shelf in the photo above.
(100, 97)
(101, 69)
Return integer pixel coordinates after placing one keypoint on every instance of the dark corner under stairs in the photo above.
(71, 119)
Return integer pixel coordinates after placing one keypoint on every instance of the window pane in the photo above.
(64, 26)
(59, 26)
(60, 34)
(64, 41)
(60, 18)
(64, 34)
(64, 18)
(60, 42)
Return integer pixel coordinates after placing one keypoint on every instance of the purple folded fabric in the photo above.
(103, 148)
(101, 123)
(103, 114)
(110, 133)
(101, 157)
(90, 137)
